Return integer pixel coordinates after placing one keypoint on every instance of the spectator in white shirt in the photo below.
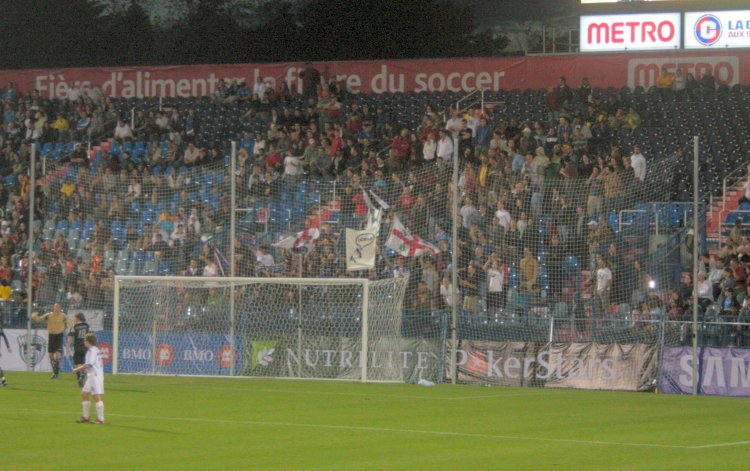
(192, 154)
(74, 93)
(430, 148)
(679, 83)
(705, 291)
(178, 234)
(495, 279)
(746, 197)
(260, 144)
(260, 89)
(638, 163)
(134, 190)
(502, 215)
(455, 124)
(123, 131)
(263, 257)
(603, 285)
(399, 269)
(445, 147)
(292, 166)
(211, 269)
(468, 213)
(446, 291)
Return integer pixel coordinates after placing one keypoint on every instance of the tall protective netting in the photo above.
(292, 328)
(568, 245)
(589, 281)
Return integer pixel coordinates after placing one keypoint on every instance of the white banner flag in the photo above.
(361, 248)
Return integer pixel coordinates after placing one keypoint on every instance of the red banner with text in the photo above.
(459, 75)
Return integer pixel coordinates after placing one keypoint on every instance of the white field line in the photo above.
(263, 423)
(379, 395)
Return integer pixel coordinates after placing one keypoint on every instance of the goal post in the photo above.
(276, 327)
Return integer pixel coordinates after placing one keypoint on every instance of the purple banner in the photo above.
(723, 371)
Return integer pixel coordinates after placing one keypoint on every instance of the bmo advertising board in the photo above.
(717, 30)
(638, 32)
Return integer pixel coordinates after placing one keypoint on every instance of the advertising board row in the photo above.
(622, 367)
(655, 31)
(728, 67)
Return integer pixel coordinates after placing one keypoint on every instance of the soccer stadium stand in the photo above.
(554, 190)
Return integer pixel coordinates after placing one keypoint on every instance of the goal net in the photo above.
(282, 327)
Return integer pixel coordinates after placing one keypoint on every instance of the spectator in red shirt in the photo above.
(6, 274)
(400, 147)
(406, 201)
(273, 158)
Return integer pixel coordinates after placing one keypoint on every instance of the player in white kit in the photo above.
(94, 385)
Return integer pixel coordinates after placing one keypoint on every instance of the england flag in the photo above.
(305, 239)
(400, 240)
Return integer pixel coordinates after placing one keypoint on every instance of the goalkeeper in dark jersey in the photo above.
(78, 336)
(7, 345)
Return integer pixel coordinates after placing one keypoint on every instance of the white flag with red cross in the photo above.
(305, 238)
(401, 240)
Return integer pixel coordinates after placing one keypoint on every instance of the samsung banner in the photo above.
(637, 32)
(717, 29)
(722, 371)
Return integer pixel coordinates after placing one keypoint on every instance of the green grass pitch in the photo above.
(182, 423)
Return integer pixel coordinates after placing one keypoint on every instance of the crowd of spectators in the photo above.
(535, 196)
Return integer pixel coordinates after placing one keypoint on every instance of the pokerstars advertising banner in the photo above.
(722, 371)
(617, 367)
(427, 75)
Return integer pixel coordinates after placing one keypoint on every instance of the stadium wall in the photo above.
(427, 75)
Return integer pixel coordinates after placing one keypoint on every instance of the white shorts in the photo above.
(94, 385)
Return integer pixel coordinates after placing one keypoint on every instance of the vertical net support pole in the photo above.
(454, 271)
(696, 229)
(29, 281)
(232, 249)
(299, 317)
(154, 346)
(363, 360)
(116, 328)
(551, 328)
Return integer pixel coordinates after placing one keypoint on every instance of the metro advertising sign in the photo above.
(718, 29)
(638, 32)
